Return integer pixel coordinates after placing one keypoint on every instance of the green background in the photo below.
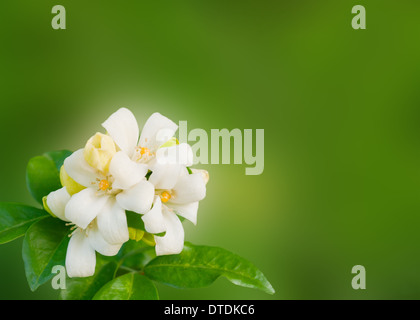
(340, 110)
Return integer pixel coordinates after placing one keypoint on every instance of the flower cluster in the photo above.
(121, 171)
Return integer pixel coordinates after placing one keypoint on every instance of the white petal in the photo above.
(139, 198)
(122, 127)
(204, 173)
(188, 211)
(84, 206)
(184, 172)
(126, 172)
(97, 241)
(173, 240)
(80, 258)
(57, 201)
(190, 188)
(180, 154)
(112, 223)
(79, 170)
(153, 220)
(156, 131)
(165, 176)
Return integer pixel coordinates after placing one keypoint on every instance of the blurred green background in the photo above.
(340, 109)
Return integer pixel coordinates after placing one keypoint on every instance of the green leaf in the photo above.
(86, 288)
(44, 246)
(58, 157)
(200, 266)
(131, 286)
(15, 219)
(43, 173)
(130, 247)
(137, 259)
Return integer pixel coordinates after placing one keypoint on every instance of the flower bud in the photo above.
(149, 239)
(99, 151)
(135, 234)
(72, 186)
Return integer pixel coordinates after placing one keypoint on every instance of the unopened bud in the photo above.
(99, 151)
(149, 239)
(135, 234)
(72, 186)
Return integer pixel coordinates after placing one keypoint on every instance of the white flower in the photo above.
(181, 200)
(98, 210)
(80, 257)
(107, 196)
(156, 147)
(177, 192)
(108, 177)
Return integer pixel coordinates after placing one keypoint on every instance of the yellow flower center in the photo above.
(144, 151)
(103, 185)
(165, 196)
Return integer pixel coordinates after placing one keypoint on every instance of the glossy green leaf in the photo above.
(138, 258)
(131, 286)
(58, 157)
(200, 266)
(130, 247)
(15, 219)
(86, 288)
(44, 246)
(43, 173)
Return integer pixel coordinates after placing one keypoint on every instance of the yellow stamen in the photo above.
(144, 151)
(165, 196)
(103, 185)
